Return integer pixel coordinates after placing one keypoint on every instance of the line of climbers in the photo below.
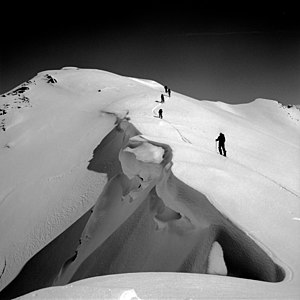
(162, 100)
(220, 138)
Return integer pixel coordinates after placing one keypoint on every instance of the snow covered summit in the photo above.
(94, 183)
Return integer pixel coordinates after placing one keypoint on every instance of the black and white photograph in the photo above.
(150, 150)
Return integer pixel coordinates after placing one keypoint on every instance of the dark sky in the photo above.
(230, 52)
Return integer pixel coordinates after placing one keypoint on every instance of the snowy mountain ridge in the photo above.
(85, 147)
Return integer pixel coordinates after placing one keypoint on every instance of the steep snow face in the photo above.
(120, 198)
(154, 188)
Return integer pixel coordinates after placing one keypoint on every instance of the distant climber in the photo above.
(160, 113)
(221, 139)
(169, 92)
(166, 89)
(162, 98)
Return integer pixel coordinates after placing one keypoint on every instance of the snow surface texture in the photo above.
(94, 183)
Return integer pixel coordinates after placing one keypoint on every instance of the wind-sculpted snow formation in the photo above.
(173, 226)
(154, 201)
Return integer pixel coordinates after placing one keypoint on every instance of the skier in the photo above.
(162, 98)
(169, 92)
(166, 89)
(221, 139)
(160, 113)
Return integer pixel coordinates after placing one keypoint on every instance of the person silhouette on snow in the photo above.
(169, 92)
(221, 139)
(166, 89)
(160, 113)
(162, 98)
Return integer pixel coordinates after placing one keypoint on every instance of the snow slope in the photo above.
(94, 183)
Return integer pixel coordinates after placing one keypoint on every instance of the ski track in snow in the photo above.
(5, 197)
(184, 139)
(4, 267)
(270, 179)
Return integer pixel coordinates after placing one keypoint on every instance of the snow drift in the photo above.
(93, 184)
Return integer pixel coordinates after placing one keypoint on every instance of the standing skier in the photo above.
(162, 98)
(169, 92)
(221, 139)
